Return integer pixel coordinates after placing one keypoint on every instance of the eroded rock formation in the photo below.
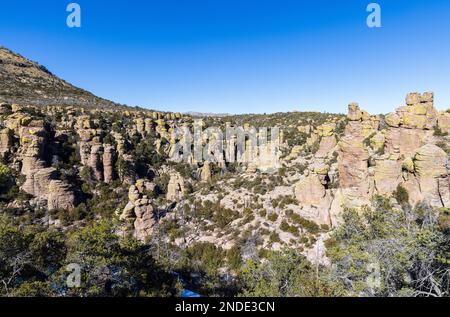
(139, 210)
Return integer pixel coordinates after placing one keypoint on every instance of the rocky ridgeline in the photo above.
(341, 164)
(29, 140)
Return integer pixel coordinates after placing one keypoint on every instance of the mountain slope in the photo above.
(26, 82)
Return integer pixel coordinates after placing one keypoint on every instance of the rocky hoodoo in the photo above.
(5, 141)
(60, 196)
(41, 181)
(108, 163)
(375, 158)
(205, 172)
(176, 188)
(139, 210)
(327, 139)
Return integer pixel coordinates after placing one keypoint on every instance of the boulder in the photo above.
(309, 190)
(430, 161)
(354, 112)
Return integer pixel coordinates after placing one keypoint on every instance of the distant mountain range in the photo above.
(207, 114)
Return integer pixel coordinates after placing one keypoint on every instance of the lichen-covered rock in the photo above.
(377, 141)
(419, 113)
(408, 165)
(393, 120)
(387, 175)
(354, 112)
(430, 161)
(404, 141)
(326, 129)
(444, 122)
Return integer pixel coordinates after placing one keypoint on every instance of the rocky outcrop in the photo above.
(430, 161)
(376, 159)
(410, 126)
(38, 181)
(309, 190)
(353, 164)
(176, 188)
(95, 160)
(60, 196)
(108, 163)
(327, 140)
(444, 121)
(139, 210)
(387, 174)
(205, 172)
(6, 141)
(268, 160)
(431, 166)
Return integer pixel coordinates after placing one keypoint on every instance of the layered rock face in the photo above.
(41, 180)
(332, 163)
(327, 140)
(60, 196)
(375, 158)
(432, 174)
(139, 210)
(5, 141)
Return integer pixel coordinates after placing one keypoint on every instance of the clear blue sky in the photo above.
(240, 56)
